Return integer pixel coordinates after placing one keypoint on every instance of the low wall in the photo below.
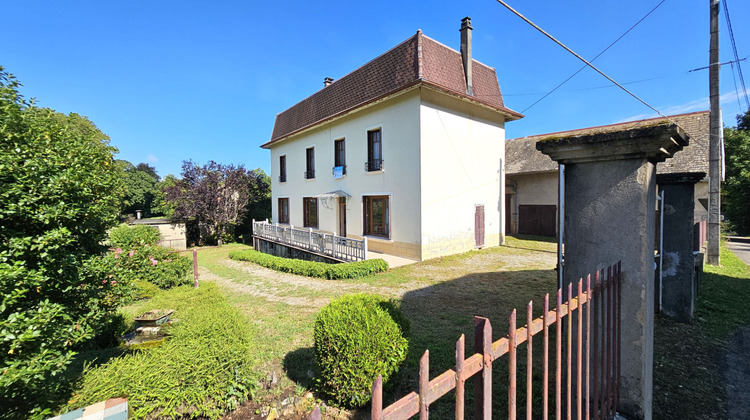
(287, 251)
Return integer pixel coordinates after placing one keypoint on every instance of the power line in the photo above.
(587, 63)
(597, 56)
(734, 49)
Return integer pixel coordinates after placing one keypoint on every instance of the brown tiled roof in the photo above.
(419, 59)
(521, 156)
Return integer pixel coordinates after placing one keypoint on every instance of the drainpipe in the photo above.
(514, 200)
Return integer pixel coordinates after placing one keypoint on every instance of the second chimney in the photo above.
(327, 81)
(466, 52)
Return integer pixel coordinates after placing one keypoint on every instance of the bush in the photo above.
(127, 237)
(350, 270)
(204, 369)
(59, 193)
(357, 338)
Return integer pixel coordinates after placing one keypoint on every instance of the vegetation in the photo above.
(350, 270)
(357, 338)
(735, 191)
(136, 261)
(60, 192)
(204, 369)
(215, 195)
(695, 390)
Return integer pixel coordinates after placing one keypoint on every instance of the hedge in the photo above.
(350, 270)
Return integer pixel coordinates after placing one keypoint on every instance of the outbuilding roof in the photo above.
(418, 60)
(522, 157)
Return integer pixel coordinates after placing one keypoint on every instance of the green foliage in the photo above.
(350, 270)
(151, 263)
(259, 206)
(357, 339)
(60, 193)
(125, 236)
(204, 369)
(142, 188)
(735, 192)
(160, 205)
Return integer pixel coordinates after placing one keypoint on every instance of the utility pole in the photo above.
(714, 153)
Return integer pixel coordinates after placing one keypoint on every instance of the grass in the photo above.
(205, 368)
(687, 357)
(440, 297)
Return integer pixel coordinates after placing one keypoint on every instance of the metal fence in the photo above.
(338, 247)
(586, 375)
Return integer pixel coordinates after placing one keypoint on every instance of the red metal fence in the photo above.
(591, 390)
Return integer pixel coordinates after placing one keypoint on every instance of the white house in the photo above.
(407, 150)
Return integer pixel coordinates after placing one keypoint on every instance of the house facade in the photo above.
(532, 178)
(406, 151)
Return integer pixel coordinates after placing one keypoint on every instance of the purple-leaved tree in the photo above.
(216, 195)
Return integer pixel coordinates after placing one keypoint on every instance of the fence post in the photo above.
(377, 399)
(483, 382)
(309, 238)
(365, 247)
(195, 267)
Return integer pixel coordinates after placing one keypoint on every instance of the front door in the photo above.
(479, 226)
(342, 216)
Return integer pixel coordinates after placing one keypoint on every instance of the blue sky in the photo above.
(176, 80)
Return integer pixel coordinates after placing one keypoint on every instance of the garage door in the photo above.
(537, 220)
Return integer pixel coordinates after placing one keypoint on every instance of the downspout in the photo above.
(513, 202)
(560, 224)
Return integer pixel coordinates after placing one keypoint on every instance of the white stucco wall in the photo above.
(463, 150)
(398, 119)
(535, 189)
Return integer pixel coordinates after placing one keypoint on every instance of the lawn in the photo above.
(440, 297)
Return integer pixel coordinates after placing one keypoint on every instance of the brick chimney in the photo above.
(466, 52)
(327, 81)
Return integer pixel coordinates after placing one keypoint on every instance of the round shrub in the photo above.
(357, 338)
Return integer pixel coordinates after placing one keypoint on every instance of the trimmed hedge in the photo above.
(350, 270)
(357, 338)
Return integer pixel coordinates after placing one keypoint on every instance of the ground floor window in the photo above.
(283, 210)
(310, 209)
(377, 215)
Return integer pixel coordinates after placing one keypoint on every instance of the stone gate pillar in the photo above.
(678, 288)
(609, 199)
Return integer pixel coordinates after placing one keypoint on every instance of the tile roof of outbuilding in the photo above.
(521, 156)
(419, 59)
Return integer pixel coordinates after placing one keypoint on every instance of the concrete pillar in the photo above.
(678, 288)
(610, 198)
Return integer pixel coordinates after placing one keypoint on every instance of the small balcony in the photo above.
(310, 174)
(282, 178)
(374, 165)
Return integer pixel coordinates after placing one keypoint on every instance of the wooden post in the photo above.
(195, 268)
(377, 399)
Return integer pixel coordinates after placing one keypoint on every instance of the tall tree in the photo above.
(216, 195)
(142, 185)
(259, 205)
(61, 191)
(736, 189)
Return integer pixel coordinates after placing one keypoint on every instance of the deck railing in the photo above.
(338, 247)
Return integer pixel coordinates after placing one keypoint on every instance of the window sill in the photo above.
(380, 171)
(309, 179)
(378, 238)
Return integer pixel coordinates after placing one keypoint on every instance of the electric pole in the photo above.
(714, 153)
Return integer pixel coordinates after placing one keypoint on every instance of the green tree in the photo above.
(259, 204)
(735, 193)
(61, 191)
(142, 185)
(160, 205)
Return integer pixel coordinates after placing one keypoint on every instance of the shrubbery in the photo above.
(351, 270)
(127, 237)
(357, 338)
(59, 193)
(203, 370)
